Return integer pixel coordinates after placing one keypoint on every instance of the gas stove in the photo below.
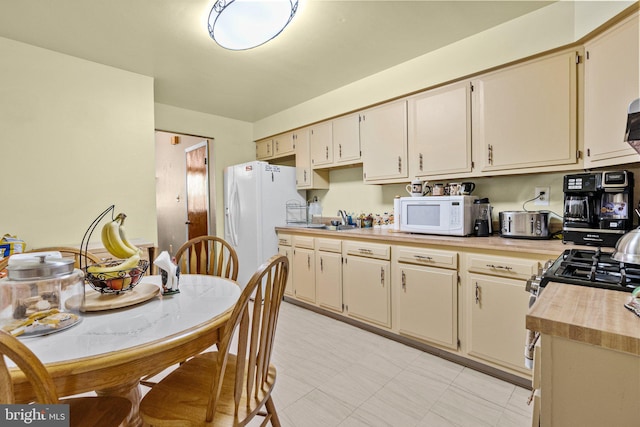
(593, 268)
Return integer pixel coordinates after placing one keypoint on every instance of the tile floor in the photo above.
(334, 374)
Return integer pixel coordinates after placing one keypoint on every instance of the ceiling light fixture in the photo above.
(245, 24)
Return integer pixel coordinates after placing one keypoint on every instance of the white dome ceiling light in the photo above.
(245, 24)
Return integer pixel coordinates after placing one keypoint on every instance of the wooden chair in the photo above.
(70, 252)
(220, 388)
(83, 411)
(209, 255)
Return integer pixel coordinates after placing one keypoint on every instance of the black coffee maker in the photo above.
(598, 207)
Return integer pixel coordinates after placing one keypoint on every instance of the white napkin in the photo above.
(163, 261)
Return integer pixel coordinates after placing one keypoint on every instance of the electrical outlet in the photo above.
(543, 199)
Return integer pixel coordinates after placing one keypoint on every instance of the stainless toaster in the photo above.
(524, 224)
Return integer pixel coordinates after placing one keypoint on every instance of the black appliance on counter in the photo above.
(598, 207)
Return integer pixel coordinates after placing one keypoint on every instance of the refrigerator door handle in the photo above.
(231, 215)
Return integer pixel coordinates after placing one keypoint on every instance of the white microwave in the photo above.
(448, 215)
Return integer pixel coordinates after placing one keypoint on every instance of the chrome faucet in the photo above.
(343, 216)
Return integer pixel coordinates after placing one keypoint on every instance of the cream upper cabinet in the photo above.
(440, 131)
(425, 297)
(383, 135)
(525, 116)
(284, 145)
(321, 144)
(329, 274)
(346, 140)
(611, 83)
(306, 177)
(264, 149)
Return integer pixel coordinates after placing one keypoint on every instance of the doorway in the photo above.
(185, 203)
(197, 190)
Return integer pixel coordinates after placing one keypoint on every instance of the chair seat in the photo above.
(181, 398)
(100, 411)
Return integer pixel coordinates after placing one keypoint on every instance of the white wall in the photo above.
(75, 137)
(232, 144)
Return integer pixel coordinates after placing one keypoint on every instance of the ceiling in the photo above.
(329, 44)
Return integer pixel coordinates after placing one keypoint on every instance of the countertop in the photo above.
(588, 315)
(551, 247)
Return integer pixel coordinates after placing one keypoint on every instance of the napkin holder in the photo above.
(169, 273)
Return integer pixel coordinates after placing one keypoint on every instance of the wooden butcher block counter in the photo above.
(587, 368)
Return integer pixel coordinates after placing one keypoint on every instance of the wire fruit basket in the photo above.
(111, 281)
(116, 281)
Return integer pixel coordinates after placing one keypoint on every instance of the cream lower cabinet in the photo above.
(497, 305)
(284, 248)
(366, 274)
(329, 274)
(304, 271)
(425, 284)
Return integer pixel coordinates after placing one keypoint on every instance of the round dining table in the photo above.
(109, 351)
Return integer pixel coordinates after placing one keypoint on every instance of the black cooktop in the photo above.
(592, 268)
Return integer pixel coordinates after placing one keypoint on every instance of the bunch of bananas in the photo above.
(115, 240)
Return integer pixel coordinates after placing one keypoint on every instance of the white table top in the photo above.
(201, 298)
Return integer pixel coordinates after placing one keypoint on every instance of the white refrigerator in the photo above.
(255, 199)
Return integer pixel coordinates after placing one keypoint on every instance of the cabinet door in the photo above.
(264, 149)
(329, 280)
(303, 160)
(288, 252)
(346, 139)
(497, 320)
(321, 144)
(304, 276)
(383, 134)
(428, 304)
(283, 145)
(440, 131)
(306, 177)
(611, 83)
(525, 116)
(367, 287)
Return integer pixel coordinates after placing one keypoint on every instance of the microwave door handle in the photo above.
(531, 225)
(509, 224)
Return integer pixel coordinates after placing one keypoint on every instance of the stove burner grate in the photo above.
(593, 268)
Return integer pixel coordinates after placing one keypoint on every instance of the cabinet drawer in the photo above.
(369, 250)
(303, 242)
(284, 239)
(429, 257)
(329, 245)
(516, 268)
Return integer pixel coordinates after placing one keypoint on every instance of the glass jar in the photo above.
(42, 293)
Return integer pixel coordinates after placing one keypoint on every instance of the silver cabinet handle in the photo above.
(309, 262)
(420, 161)
(340, 150)
(477, 293)
(490, 154)
(365, 251)
(399, 164)
(423, 258)
(404, 281)
(382, 276)
(326, 155)
(321, 265)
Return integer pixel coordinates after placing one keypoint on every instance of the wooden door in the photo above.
(196, 159)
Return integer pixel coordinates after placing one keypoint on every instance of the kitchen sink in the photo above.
(341, 227)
